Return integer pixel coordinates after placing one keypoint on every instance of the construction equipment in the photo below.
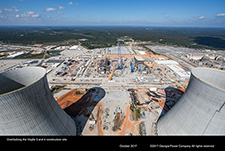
(109, 51)
(132, 66)
(119, 58)
(110, 76)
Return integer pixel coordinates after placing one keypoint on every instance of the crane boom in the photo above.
(110, 76)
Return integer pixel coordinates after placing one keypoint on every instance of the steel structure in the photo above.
(119, 59)
(110, 76)
(27, 106)
(200, 111)
(131, 66)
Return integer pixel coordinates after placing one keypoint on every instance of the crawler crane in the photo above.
(110, 76)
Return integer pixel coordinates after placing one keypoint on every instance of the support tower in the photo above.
(119, 59)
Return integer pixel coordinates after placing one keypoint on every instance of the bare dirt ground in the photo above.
(99, 120)
(81, 106)
(108, 111)
(69, 98)
(128, 127)
(112, 115)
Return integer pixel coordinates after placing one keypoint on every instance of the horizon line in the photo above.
(143, 26)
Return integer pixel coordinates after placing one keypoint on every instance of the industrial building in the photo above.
(166, 62)
(27, 106)
(198, 56)
(138, 59)
(74, 47)
(200, 110)
(15, 54)
(180, 73)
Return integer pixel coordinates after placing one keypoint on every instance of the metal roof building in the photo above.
(74, 47)
(27, 106)
(200, 110)
(138, 59)
(166, 62)
(179, 72)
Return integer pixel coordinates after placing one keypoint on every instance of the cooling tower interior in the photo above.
(27, 106)
(200, 110)
(214, 77)
(17, 79)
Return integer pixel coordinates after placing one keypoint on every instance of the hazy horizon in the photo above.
(147, 13)
(106, 26)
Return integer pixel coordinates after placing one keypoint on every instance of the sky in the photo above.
(175, 13)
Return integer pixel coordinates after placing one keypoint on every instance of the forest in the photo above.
(106, 36)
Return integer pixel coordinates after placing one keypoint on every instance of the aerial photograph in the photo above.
(112, 68)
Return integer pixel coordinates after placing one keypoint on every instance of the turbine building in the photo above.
(27, 106)
(200, 110)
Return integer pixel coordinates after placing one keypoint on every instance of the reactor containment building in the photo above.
(200, 110)
(27, 106)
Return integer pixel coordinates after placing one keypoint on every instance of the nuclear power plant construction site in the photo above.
(131, 88)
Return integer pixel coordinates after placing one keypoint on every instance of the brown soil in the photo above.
(68, 99)
(128, 125)
(99, 120)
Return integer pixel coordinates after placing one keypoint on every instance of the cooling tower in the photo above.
(200, 110)
(27, 106)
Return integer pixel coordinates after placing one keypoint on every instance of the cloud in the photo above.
(167, 16)
(8, 9)
(15, 8)
(61, 7)
(201, 17)
(30, 13)
(50, 9)
(36, 15)
(70, 3)
(0, 11)
(220, 15)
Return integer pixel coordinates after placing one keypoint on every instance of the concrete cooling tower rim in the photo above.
(35, 68)
(209, 70)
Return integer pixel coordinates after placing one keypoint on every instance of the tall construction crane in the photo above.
(119, 58)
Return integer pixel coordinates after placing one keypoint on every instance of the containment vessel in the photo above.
(27, 106)
(200, 110)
